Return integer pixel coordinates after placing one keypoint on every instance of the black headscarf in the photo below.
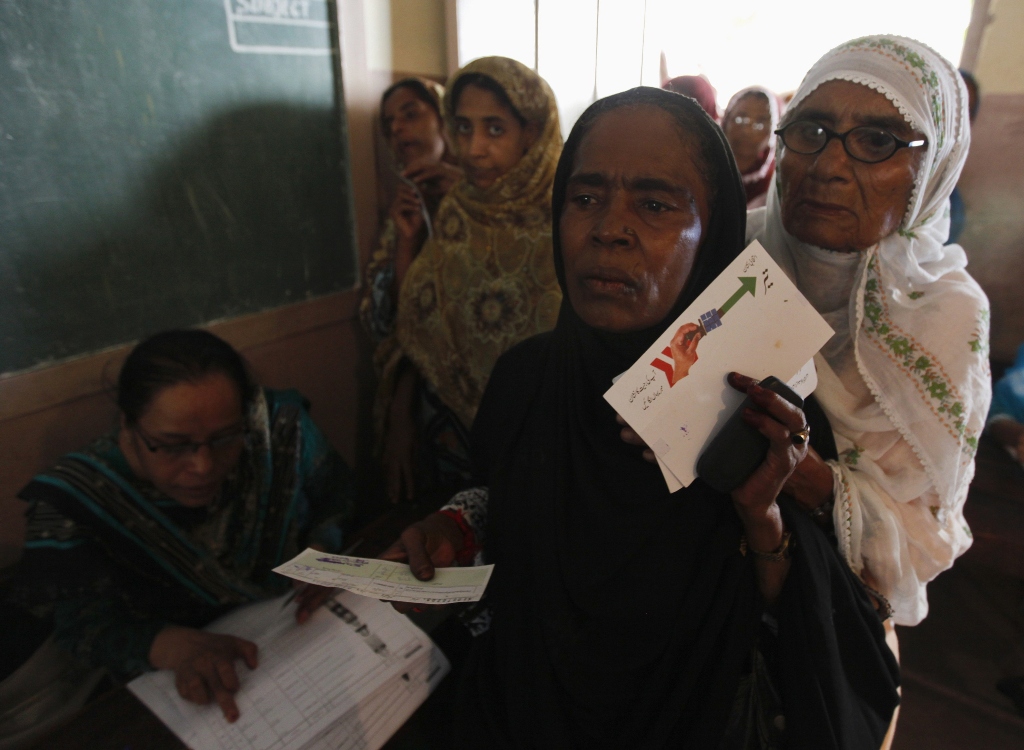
(623, 615)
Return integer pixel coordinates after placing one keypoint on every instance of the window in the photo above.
(587, 49)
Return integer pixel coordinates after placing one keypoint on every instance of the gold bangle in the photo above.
(780, 554)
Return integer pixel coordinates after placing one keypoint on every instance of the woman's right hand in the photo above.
(684, 350)
(203, 664)
(406, 212)
(434, 542)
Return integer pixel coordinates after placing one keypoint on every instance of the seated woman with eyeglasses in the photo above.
(870, 150)
(749, 123)
(145, 536)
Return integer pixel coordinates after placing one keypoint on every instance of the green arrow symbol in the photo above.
(747, 284)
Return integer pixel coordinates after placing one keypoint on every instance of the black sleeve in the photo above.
(837, 676)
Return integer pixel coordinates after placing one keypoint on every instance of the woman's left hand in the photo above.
(778, 421)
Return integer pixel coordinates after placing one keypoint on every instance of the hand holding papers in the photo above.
(752, 320)
(382, 579)
(349, 678)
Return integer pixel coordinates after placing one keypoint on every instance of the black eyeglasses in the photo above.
(865, 143)
(217, 445)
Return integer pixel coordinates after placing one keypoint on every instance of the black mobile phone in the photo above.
(738, 448)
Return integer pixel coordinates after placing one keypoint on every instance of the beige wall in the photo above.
(993, 180)
(406, 36)
(418, 37)
(1000, 66)
(315, 346)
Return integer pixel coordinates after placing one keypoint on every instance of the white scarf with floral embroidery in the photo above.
(918, 341)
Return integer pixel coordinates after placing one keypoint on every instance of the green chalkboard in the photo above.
(165, 163)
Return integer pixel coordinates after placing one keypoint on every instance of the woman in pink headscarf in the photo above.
(749, 122)
(696, 87)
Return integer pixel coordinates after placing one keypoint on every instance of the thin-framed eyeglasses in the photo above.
(176, 451)
(864, 143)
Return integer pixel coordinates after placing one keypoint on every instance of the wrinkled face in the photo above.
(412, 127)
(206, 411)
(635, 212)
(489, 139)
(748, 128)
(832, 200)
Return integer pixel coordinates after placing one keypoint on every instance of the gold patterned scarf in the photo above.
(486, 280)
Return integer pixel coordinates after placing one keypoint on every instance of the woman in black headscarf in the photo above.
(624, 616)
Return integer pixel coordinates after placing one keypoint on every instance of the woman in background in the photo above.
(957, 208)
(410, 114)
(698, 88)
(481, 284)
(749, 122)
(139, 540)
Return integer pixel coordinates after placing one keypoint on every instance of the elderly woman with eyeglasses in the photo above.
(139, 540)
(870, 150)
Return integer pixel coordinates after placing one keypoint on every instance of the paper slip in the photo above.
(383, 579)
(347, 678)
(752, 320)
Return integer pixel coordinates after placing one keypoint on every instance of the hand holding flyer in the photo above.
(751, 320)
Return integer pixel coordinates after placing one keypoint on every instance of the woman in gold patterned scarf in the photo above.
(485, 280)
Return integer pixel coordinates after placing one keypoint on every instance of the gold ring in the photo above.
(801, 436)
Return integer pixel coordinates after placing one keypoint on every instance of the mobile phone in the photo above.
(738, 449)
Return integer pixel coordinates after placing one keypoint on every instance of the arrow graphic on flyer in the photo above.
(709, 321)
(747, 284)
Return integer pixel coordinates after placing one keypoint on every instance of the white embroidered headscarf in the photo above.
(918, 323)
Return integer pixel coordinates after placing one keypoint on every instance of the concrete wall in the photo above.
(993, 180)
(1000, 64)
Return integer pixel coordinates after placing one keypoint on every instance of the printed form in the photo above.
(382, 579)
(348, 678)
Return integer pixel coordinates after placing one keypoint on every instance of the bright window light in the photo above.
(496, 27)
(773, 43)
(592, 48)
